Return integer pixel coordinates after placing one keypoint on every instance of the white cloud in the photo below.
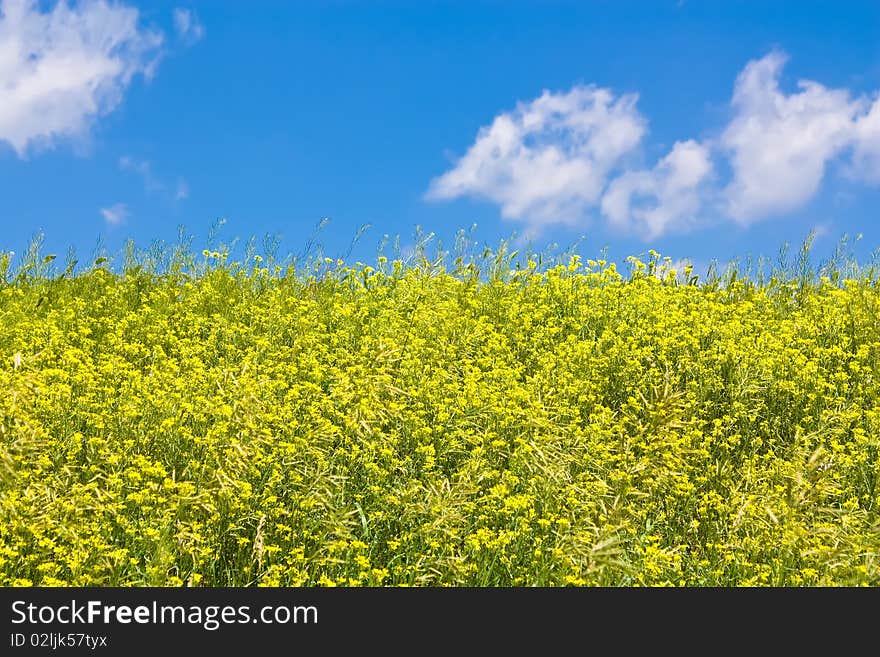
(780, 144)
(188, 27)
(548, 160)
(866, 156)
(562, 158)
(667, 197)
(115, 214)
(62, 68)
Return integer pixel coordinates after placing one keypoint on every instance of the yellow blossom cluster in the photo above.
(410, 424)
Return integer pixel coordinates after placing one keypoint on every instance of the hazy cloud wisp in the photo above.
(115, 214)
(152, 183)
(188, 27)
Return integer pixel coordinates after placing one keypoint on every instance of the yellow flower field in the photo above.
(437, 423)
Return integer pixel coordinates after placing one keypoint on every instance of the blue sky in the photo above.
(703, 130)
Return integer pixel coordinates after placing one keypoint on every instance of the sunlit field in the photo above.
(474, 419)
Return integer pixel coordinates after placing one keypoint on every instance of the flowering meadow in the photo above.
(490, 421)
